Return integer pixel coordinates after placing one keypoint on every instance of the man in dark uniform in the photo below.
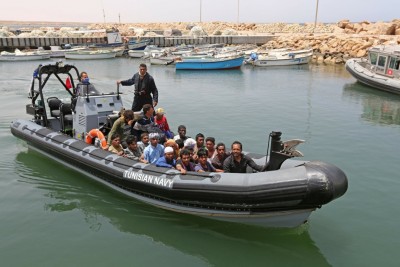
(145, 88)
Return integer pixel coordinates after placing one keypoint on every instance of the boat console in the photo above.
(76, 115)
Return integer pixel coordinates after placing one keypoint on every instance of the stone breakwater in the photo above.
(332, 48)
(347, 40)
(332, 43)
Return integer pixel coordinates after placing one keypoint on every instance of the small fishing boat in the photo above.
(73, 134)
(119, 51)
(138, 44)
(164, 60)
(280, 57)
(59, 52)
(91, 54)
(136, 53)
(380, 70)
(210, 63)
(24, 56)
(162, 57)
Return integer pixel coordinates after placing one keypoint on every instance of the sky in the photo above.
(248, 11)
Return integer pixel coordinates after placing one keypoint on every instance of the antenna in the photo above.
(200, 11)
(316, 16)
(238, 3)
(104, 13)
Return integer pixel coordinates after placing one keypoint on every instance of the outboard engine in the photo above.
(281, 151)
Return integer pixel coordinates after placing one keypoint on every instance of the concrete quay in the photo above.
(10, 43)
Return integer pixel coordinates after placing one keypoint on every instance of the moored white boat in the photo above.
(119, 51)
(281, 57)
(91, 54)
(164, 60)
(380, 70)
(136, 53)
(24, 56)
(58, 51)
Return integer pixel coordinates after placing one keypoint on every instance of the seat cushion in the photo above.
(68, 117)
(55, 113)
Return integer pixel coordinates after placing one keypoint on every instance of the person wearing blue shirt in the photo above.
(154, 151)
(204, 165)
(168, 160)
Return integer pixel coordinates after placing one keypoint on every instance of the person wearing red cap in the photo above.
(161, 120)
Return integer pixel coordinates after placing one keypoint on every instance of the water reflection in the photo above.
(213, 243)
(378, 107)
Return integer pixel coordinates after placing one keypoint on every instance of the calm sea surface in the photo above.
(53, 216)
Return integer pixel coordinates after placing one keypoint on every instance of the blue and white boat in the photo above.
(138, 44)
(280, 57)
(209, 63)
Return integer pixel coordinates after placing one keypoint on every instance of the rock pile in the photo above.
(4, 32)
(333, 48)
(219, 27)
(367, 28)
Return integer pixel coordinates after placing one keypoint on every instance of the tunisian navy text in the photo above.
(148, 179)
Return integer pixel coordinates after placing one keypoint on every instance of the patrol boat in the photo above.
(380, 70)
(283, 196)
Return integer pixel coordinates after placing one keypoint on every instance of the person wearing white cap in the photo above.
(154, 151)
(168, 161)
(189, 143)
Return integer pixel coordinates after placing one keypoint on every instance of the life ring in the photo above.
(96, 133)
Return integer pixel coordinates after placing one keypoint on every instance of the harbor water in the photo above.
(51, 215)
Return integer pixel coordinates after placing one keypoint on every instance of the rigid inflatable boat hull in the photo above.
(282, 198)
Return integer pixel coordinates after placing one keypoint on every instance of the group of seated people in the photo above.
(149, 140)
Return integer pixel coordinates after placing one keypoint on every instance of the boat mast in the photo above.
(316, 16)
(238, 11)
(200, 10)
(104, 13)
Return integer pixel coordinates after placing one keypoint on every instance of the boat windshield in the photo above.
(84, 89)
(394, 63)
(382, 61)
(373, 58)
